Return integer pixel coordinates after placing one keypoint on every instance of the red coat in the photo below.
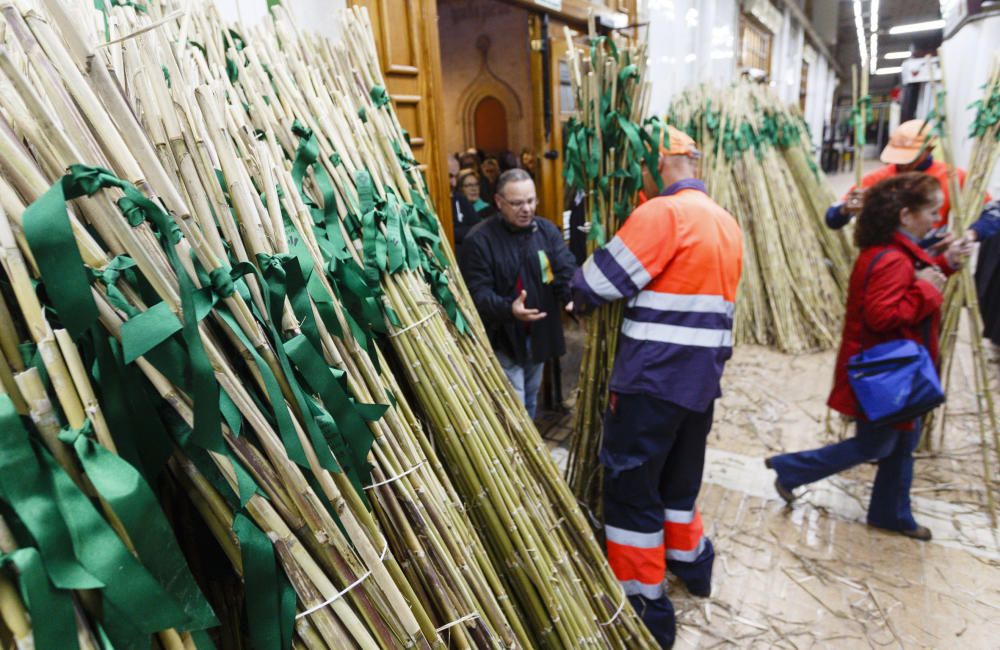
(895, 306)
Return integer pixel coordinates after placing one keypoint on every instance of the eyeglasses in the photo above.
(517, 205)
(473, 184)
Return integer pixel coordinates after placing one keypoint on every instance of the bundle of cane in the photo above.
(605, 146)
(260, 502)
(960, 292)
(217, 108)
(794, 271)
(564, 588)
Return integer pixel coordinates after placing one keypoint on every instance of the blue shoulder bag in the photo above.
(894, 381)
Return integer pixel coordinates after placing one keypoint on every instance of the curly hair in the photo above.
(883, 202)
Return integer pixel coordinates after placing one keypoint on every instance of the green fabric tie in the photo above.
(52, 620)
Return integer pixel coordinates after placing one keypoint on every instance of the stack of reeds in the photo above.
(231, 315)
(758, 164)
(961, 302)
(606, 145)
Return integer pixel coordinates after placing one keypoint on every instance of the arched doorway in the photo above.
(490, 120)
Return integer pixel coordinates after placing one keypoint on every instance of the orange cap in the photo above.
(674, 142)
(907, 141)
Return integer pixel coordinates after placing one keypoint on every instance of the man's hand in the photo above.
(855, 200)
(569, 306)
(522, 313)
(933, 275)
(941, 246)
(958, 250)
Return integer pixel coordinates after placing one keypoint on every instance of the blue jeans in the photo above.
(890, 501)
(526, 380)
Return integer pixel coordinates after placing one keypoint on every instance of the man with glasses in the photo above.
(518, 269)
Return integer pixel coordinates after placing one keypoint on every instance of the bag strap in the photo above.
(864, 291)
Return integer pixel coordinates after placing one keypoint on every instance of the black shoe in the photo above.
(782, 491)
(920, 533)
(701, 589)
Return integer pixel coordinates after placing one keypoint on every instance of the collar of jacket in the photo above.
(684, 184)
(517, 231)
(922, 167)
(913, 248)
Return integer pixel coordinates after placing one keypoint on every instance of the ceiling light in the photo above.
(892, 56)
(874, 18)
(859, 27)
(917, 27)
(873, 53)
(893, 70)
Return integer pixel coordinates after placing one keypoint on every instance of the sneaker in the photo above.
(782, 491)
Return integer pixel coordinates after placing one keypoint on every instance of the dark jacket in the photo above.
(466, 216)
(493, 259)
(896, 305)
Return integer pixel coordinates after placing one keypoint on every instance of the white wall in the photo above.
(690, 42)
(694, 41)
(967, 56)
(318, 16)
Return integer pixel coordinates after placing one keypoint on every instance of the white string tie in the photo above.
(346, 589)
(467, 617)
(412, 325)
(617, 611)
(397, 476)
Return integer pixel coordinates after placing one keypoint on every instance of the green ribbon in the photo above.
(133, 501)
(26, 486)
(269, 616)
(379, 96)
(53, 624)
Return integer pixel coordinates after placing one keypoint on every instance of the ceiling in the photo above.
(891, 12)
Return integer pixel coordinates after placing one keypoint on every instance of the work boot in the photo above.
(782, 491)
(657, 615)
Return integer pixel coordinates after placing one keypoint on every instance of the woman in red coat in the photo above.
(902, 300)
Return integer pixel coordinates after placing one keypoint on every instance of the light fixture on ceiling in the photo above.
(925, 26)
(873, 53)
(859, 27)
(893, 56)
(893, 70)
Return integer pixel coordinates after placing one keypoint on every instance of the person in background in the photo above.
(518, 269)
(894, 293)
(453, 169)
(988, 268)
(677, 260)
(488, 182)
(909, 150)
(468, 207)
(528, 161)
(469, 160)
(508, 161)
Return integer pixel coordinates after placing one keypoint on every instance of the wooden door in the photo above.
(407, 38)
(549, 105)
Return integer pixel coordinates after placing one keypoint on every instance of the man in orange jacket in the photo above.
(677, 261)
(909, 150)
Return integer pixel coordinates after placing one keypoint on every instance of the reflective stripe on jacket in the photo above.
(677, 259)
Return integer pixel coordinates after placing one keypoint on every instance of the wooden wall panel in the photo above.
(407, 38)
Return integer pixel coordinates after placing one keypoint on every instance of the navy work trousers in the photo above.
(654, 454)
(893, 449)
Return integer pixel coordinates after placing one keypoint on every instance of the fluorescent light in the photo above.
(917, 27)
(892, 56)
(859, 27)
(873, 53)
(894, 70)
(874, 18)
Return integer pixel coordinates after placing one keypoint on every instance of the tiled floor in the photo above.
(815, 575)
